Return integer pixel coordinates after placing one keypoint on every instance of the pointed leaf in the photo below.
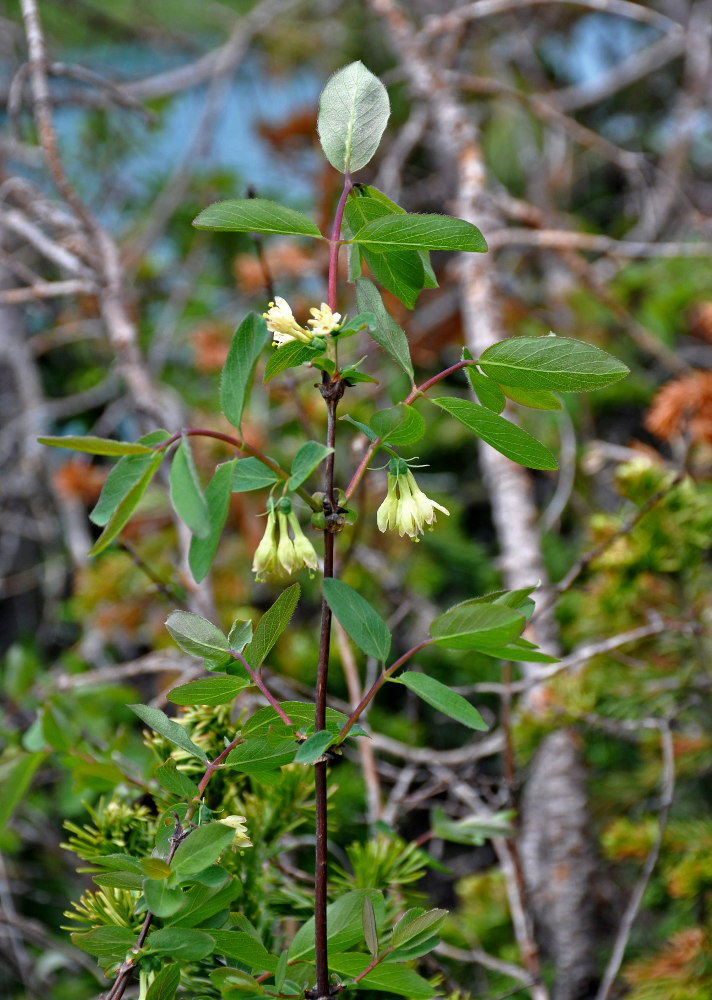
(236, 379)
(486, 390)
(157, 720)
(537, 399)
(196, 635)
(176, 781)
(388, 977)
(475, 624)
(107, 943)
(312, 748)
(500, 434)
(473, 830)
(210, 691)
(161, 900)
(96, 445)
(165, 984)
(387, 333)
(272, 624)
(417, 923)
(261, 755)
(399, 425)
(242, 946)
(309, 456)
(370, 931)
(365, 626)
(16, 776)
(343, 923)
(556, 363)
(201, 848)
(240, 634)
(251, 474)
(255, 215)
(123, 476)
(420, 232)
(353, 112)
(187, 493)
(302, 715)
(181, 943)
(217, 497)
(127, 505)
(442, 698)
(280, 973)
(290, 355)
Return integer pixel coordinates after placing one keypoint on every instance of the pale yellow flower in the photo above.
(323, 321)
(265, 563)
(238, 824)
(303, 549)
(405, 506)
(285, 550)
(282, 324)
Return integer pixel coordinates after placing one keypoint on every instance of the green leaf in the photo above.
(280, 973)
(417, 924)
(176, 781)
(420, 232)
(312, 748)
(243, 947)
(477, 625)
(519, 652)
(207, 901)
(251, 474)
(353, 112)
(499, 433)
(202, 847)
(119, 880)
(370, 931)
(217, 497)
(123, 476)
(361, 321)
(237, 375)
(107, 943)
(165, 984)
(290, 355)
(387, 976)
(309, 456)
(161, 900)
(362, 427)
(272, 624)
(487, 391)
(172, 731)
(555, 363)
(128, 504)
(537, 399)
(365, 626)
(398, 425)
(343, 923)
(210, 691)
(196, 635)
(15, 776)
(448, 702)
(240, 634)
(387, 334)
(255, 215)
(261, 754)
(155, 868)
(302, 715)
(400, 272)
(473, 830)
(187, 493)
(235, 983)
(183, 943)
(96, 445)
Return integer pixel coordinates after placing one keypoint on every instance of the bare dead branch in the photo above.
(562, 239)
(47, 290)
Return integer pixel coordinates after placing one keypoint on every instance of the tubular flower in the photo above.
(265, 562)
(324, 320)
(238, 823)
(303, 548)
(406, 507)
(282, 324)
(285, 550)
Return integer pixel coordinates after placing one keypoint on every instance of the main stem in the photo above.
(331, 391)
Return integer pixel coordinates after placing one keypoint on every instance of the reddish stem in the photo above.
(334, 242)
(256, 679)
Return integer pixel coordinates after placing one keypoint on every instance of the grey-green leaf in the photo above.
(290, 355)
(500, 434)
(187, 493)
(343, 923)
(555, 363)
(272, 624)
(176, 781)
(417, 923)
(172, 731)
(387, 333)
(368, 921)
(255, 215)
(165, 984)
(398, 425)
(388, 977)
(201, 848)
(353, 113)
(239, 635)
(420, 232)
(217, 498)
(305, 461)
(442, 698)
(196, 635)
(181, 943)
(161, 900)
(313, 747)
(125, 474)
(251, 474)
(486, 390)
(537, 399)
(239, 370)
(362, 622)
(208, 691)
(128, 504)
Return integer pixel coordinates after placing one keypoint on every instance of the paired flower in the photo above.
(406, 507)
(284, 327)
(238, 823)
(278, 559)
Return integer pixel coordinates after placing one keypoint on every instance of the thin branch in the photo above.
(47, 290)
(563, 239)
(483, 958)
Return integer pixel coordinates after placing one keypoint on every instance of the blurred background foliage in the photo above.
(78, 636)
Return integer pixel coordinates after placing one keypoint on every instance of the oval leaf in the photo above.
(420, 232)
(128, 504)
(186, 492)
(236, 379)
(96, 445)
(443, 699)
(309, 456)
(476, 625)
(201, 848)
(210, 691)
(370, 931)
(353, 112)
(165, 984)
(272, 624)
(556, 363)
(387, 334)
(312, 748)
(217, 497)
(161, 900)
(125, 474)
(184, 943)
(173, 732)
(196, 635)
(255, 215)
(399, 425)
(365, 626)
(500, 434)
